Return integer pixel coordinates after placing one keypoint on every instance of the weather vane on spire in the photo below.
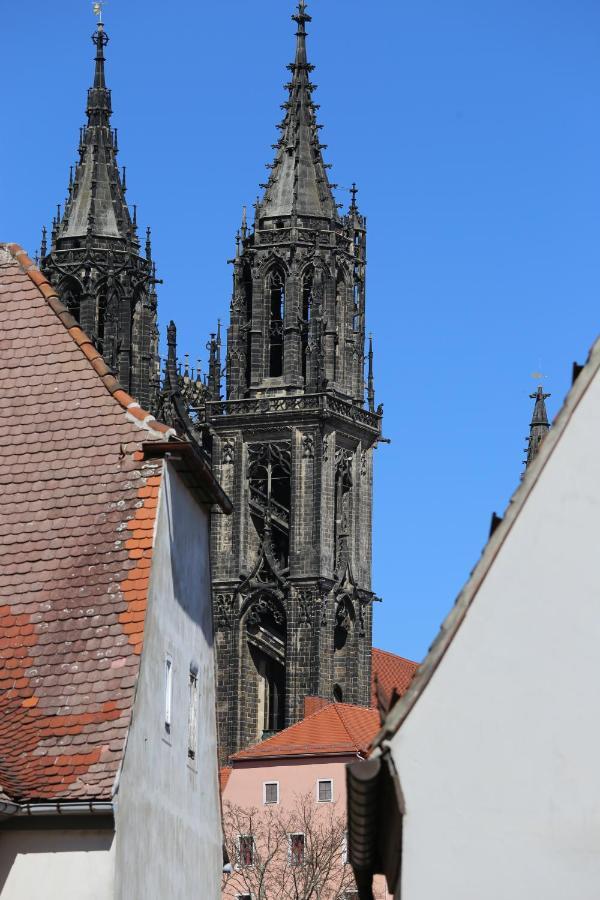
(97, 7)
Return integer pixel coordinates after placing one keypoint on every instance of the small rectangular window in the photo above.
(325, 790)
(246, 850)
(351, 895)
(168, 692)
(193, 714)
(244, 897)
(296, 849)
(271, 792)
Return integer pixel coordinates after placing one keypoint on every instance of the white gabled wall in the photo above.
(168, 829)
(52, 863)
(499, 759)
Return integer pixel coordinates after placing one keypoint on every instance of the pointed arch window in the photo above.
(269, 477)
(340, 307)
(276, 294)
(266, 639)
(307, 311)
(247, 288)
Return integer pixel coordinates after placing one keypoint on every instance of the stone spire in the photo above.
(94, 259)
(298, 183)
(96, 205)
(539, 426)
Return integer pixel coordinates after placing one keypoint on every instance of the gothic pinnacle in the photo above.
(370, 378)
(539, 426)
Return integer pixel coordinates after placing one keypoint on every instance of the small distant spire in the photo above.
(148, 243)
(370, 379)
(244, 229)
(100, 39)
(539, 426)
(354, 192)
(44, 244)
(214, 364)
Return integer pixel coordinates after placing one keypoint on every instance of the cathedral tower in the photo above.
(94, 260)
(292, 445)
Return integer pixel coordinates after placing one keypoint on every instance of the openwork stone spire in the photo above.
(539, 426)
(94, 260)
(298, 183)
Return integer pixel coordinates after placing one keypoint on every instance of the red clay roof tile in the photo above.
(75, 488)
(338, 729)
(390, 671)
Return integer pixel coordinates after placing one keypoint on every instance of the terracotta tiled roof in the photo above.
(337, 729)
(224, 774)
(391, 672)
(78, 501)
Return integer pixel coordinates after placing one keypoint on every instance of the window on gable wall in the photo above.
(168, 692)
(296, 849)
(193, 713)
(271, 792)
(246, 850)
(325, 790)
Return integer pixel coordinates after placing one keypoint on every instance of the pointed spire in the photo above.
(96, 205)
(371, 380)
(214, 364)
(298, 183)
(44, 245)
(539, 426)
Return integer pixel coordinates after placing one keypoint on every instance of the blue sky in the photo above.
(473, 131)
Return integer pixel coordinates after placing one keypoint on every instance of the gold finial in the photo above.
(538, 376)
(97, 7)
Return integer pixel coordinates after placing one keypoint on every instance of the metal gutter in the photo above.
(66, 808)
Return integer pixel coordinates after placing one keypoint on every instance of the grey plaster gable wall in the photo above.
(168, 814)
(498, 759)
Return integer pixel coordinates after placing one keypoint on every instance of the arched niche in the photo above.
(263, 635)
(343, 644)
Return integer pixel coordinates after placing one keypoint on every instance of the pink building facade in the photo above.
(284, 809)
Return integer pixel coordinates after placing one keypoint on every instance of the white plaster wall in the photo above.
(500, 758)
(168, 814)
(56, 865)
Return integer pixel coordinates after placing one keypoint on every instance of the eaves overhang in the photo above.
(194, 470)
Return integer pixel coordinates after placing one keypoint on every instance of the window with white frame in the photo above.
(325, 790)
(270, 793)
(246, 848)
(168, 692)
(296, 849)
(193, 712)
